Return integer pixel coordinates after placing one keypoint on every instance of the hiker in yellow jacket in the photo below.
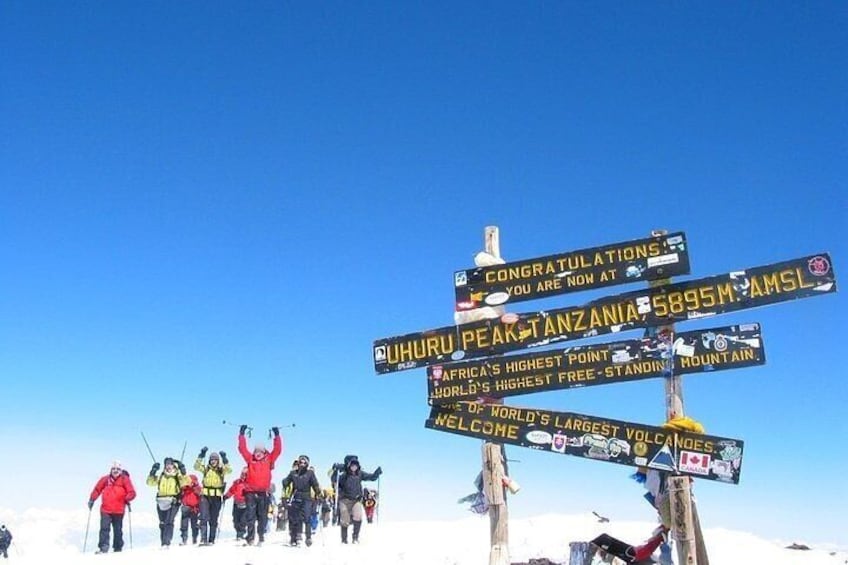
(168, 485)
(213, 491)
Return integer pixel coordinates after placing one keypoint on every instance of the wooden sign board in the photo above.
(618, 263)
(625, 443)
(715, 349)
(740, 290)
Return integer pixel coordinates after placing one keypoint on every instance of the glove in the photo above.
(276, 431)
(203, 453)
(223, 457)
(379, 471)
(154, 469)
(242, 429)
(181, 467)
(90, 504)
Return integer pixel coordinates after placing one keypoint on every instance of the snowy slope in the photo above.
(48, 536)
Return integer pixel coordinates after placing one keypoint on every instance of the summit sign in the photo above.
(618, 263)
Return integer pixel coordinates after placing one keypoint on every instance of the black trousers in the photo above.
(239, 519)
(115, 522)
(188, 517)
(300, 514)
(210, 508)
(166, 523)
(257, 512)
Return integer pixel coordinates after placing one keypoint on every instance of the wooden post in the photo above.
(690, 544)
(494, 461)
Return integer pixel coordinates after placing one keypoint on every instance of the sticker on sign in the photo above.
(668, 259)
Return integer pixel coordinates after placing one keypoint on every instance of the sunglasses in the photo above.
(118, 469)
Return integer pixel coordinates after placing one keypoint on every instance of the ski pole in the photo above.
(270, 433)
(87, 524)
(150, 451)
(220, 518)
(129, 510)
(249, 431)
(182, 455)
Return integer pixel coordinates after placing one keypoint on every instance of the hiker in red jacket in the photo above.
(190, 510)
(258, 482)
(117, 491)
(236, 492)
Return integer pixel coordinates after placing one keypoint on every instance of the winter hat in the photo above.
(259, 447)
(168, 461)
(303, 458)
(116, 465)
(214, 455)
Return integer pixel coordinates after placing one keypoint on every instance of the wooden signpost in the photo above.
(468, 374)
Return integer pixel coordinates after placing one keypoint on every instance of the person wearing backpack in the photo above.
(190, 510)
(350, 477)
(169, 486)
(213, 491)
(117, 492)
(236, 492)
(6, 541)
(303, 483)
(257, 486)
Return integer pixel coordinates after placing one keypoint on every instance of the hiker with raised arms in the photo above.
(257, 484)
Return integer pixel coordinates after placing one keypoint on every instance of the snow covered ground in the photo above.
(50, 536)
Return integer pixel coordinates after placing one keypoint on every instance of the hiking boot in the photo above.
(344, 534)
(308, 542)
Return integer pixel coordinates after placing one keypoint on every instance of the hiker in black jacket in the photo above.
(5, 541)
(350, 495)
(304, 489)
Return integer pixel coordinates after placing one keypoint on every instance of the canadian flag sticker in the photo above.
(697, 463)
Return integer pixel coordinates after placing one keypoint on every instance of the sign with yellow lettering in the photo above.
(665, 449)
(799, 278)
(715, 349)
(618, 263)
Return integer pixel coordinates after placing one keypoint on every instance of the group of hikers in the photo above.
(198, 500)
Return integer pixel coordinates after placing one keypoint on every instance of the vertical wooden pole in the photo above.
(494, 461)
(689, 541)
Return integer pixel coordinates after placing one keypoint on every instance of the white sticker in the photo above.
(663, 260)
(674, 240)
(683, 349)
(539, 437)
(643, 304)
(496, 298)
(460, 278)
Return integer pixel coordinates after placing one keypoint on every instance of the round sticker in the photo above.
(509, 318)
(457, 355)
(496, 298)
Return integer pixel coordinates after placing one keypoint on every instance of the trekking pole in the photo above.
(87, 524)
(182, 455)
(150, 451)
(248, 432)
(270, 434)
(129, 509)
(220, 518)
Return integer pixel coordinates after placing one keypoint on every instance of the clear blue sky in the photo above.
(209, 210)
